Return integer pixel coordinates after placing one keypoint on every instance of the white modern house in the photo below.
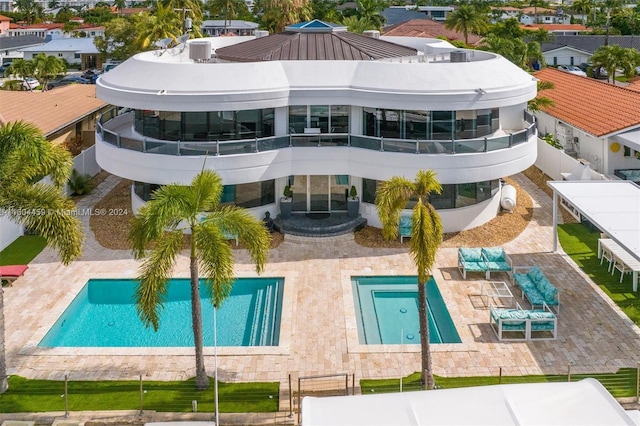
(319, 109)
(73, 50)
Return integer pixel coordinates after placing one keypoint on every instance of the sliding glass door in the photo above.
(319, 193)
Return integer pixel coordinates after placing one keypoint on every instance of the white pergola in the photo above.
(612, 206)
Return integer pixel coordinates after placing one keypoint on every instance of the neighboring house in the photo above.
(400, 14)
(437, 13)
(427, 28)
(65, 115)
(217, 27)
(576, 49)
(593, 120)
(11, 47)
(91, 31)
(4, 25)
(320, 109)
(38, 30)
(81, 51)
(558, 29)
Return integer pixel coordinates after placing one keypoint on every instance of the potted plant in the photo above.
(353, 203)
(286, 203)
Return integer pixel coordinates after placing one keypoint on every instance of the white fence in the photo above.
(85, 163)
(553, 162)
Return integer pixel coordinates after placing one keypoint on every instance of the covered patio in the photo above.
(611, 206)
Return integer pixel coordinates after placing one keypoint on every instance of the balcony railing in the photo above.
(243, 146)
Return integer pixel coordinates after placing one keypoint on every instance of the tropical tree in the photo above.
(228, 10)
(325, 10)
(47, 68)
(613, 57)
(426, 234)
(540, 102)
(31, 11)
(357, 25)
(116, 41)
(21, 68)
(163, 23)
(26, 157)
(163, 220)
(371, 11)
(467, 19)
(523, 54)
(583, 7)
(119, 4)
(275, 15)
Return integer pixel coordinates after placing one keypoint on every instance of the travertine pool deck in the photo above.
(318, 333)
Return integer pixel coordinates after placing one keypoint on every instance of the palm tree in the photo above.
(277, 14)
(47, 68)
(162, 221)
(613, 57)
(467, 19)
(22, 68)
(582, 7)
(540, 102)
(357, 25)
(26, 156)
(163, 23)
(426, 235)
(371, 11)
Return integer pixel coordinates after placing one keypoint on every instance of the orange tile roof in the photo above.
(594, 106)
(556, 27)
(4, 18)
(429, 29)
(50, 110)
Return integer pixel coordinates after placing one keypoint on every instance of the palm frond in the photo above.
(155, 272)
(47, 211)
(168, 207)
(391, 198)
(426, 235)
(215, 259)
(207, 186)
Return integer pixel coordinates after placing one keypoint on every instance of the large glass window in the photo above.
(327, 118)
(452, 196)
(429, 125)
(205, 125)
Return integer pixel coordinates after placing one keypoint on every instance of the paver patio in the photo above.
(318, 334)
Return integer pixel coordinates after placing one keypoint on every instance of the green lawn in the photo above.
(581, 245)
(621, 384)
(47, 395)
(22, 251)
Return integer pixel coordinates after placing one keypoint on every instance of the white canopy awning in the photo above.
(612, 206)
(585, 402)
(630, 139)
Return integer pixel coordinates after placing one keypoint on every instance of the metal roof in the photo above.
(291, 46)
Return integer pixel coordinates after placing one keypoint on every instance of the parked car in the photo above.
(69, 79)
(30, 83)
(572, 69)
(599, 72)
(92, 75)
(4, 68)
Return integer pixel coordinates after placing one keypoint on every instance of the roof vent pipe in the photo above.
(458, 56)
(372, 33)
(261, 33)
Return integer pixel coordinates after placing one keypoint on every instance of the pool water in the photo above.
(104, 314)
(387, 311)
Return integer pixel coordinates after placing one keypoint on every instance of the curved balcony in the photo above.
(116, 130)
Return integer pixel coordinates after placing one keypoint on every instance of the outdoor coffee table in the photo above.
(496, 290)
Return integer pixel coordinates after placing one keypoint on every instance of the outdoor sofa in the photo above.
(512, 324)
(536, 288)
(484, 259)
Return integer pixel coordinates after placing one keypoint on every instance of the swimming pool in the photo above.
(387, 311)
(104, 314)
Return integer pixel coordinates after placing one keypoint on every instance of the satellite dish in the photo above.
(182, 42)
(163, 44)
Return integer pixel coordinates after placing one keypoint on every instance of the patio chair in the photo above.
(497, 260)
(404, 227)
(470, 260)
(10, 273)
(608, 256)
(619, 265)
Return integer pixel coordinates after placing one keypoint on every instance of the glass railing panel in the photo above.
(162, 147)
(519, 137)
(237, 147)
(469, 146)
(498, 143)
(435, 147)
(305, 140)
(269, 144)
(366, 142)
(198, 148)
(399, 145)
(110, 137)
(132, 144)
(334, 139)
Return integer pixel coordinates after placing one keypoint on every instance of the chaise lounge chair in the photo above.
(10, 273)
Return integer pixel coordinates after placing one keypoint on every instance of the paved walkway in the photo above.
(318, 334)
